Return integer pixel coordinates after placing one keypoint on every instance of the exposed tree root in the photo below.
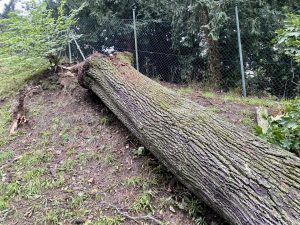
(134, 218)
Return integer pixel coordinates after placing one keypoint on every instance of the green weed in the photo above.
(57, 183)
(78, 200)
(7, 192)
(105, 120)
(6, 155)
(45, 136)
(108, 220)
(12, 189)
(34, 157)
(53, 216)
(110, 159)
(144, 202)
(208, 94)
(247, 121)
(33, 188)
(68, 165)
(65, 135)
(32, 174)
(253, 101)
(5, 119)
(84, 157)
(3, 203)
(139, 182)
(136, 182)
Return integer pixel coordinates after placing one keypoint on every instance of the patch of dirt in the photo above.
(90, 166)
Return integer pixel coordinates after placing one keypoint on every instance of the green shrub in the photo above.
(284, 130)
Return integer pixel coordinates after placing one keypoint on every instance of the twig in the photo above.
(134, 218)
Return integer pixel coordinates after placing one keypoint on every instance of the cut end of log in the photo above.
(118, 59)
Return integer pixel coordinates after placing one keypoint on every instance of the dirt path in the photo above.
(74, 163)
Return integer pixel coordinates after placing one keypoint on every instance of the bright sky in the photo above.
(18, 5)
(2, 2)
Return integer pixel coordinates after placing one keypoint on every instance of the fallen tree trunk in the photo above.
(244, 178)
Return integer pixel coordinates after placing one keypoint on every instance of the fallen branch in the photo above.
(19, 109)
(134, 218)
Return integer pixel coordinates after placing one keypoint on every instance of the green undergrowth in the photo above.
(14, 74)
(15, 71)
(284, 129)
(251, 100)
(231, 96)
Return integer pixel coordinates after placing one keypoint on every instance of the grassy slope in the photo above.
(14, 72)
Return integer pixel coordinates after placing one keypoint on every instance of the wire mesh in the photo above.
(174, 57)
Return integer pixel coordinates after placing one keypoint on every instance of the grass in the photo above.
(53, 216)
(84, 157)
(45, 136)
(78, 200)
(33, 188)
(34, 173)
(110, 159)
(5, 119)
(136, 182)
(208, 94)
(252, 101)
(144, 202)
(65, 135)
(68, 165)
(16, 71)
(109, 220)
(7, 192)
(139, 182)
(185, 90)
(105, 120)
(5, 155)
(34, 157)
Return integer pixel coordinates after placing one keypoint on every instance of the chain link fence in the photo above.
(174, 57)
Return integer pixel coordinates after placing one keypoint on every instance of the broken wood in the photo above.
(19, 108)
(241, 176)
(262, 118)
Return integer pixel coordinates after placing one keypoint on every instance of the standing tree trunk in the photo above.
(214, 63)
(242, 177)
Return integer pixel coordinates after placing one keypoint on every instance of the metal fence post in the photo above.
(240, 51)
(78, 47)
(70, 53)
(135, 40)
(69, 46)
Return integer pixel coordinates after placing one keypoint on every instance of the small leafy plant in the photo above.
(284, 130)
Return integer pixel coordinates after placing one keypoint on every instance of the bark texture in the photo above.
(244, 178)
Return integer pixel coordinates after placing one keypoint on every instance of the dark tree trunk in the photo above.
(214, 63)
(242, 177)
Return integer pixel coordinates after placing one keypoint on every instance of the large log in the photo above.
(242, 177)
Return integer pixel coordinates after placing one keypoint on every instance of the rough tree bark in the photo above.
(242, 177)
